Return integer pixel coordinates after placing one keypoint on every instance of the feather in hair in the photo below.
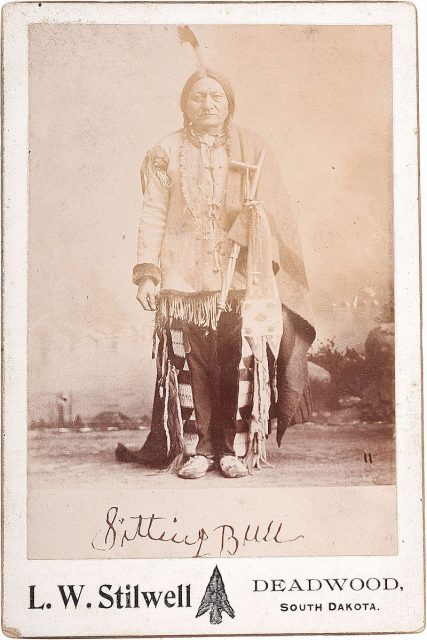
(186, 35)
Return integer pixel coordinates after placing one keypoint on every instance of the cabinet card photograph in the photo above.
(212, 398)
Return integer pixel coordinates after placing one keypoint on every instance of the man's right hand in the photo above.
(147, 293)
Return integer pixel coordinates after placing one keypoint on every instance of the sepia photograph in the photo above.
(219, 331)
(243, 195)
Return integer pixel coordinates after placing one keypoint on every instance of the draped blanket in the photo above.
(293, 392)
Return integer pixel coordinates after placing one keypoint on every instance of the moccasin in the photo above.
(195, 467)
(232, 467)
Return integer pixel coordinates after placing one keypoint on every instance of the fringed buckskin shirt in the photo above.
(182, 240)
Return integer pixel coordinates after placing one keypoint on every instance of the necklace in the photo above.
(219, 139)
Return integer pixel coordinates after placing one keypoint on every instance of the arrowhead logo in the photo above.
(215, 599)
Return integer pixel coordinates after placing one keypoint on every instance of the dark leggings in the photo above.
(213, 359)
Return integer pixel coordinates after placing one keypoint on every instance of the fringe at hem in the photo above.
(200, 309)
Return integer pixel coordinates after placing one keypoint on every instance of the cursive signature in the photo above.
(227, 539)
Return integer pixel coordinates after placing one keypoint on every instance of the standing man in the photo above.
(192, 217)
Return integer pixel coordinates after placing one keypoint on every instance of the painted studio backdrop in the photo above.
(100, 97)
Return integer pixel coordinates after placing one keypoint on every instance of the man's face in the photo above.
(207, 106)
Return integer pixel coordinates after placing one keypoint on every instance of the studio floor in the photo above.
(311, 455)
